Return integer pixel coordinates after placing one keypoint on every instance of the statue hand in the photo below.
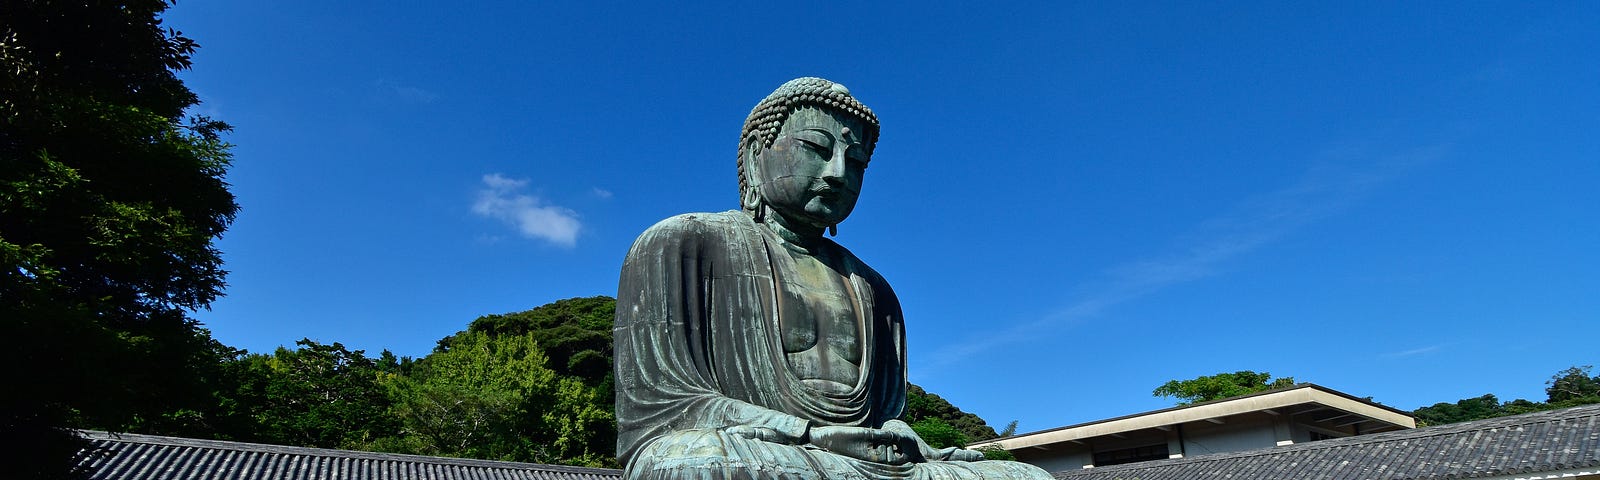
(870, 444)
(761, 433)
(958, 454)
(954, 454)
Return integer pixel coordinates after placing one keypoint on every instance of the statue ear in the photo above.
(752, 150)
(750, 198)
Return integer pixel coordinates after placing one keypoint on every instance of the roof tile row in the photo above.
(1536, 442)
(140, 457)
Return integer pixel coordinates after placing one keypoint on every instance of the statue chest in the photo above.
(821, 326)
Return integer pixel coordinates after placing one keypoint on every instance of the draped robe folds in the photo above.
(700, 364)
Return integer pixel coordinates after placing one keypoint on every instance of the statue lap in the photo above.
(712, 454)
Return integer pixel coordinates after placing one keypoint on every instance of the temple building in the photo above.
(1274, 418)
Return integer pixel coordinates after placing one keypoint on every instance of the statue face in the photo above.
(813, 171)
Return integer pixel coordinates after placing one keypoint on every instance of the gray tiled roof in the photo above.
(137, 457)
(1549, 441)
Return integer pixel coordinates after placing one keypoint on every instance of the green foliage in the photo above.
(1222, 385)
(316, 396)
(493, 397)
(1011, 429)
(109, 202)
(939, 434)
(921, 405)
(1568, 388)
(1487, 406)
(994, 452)
(575, 333)
(1574, 383)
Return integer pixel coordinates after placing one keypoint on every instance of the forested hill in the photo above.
(575, 333)
(532, 386)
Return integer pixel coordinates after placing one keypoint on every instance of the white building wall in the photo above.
(1057, 461)
(1238, 433)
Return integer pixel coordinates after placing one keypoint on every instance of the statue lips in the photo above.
(832, 196)
(826, 189)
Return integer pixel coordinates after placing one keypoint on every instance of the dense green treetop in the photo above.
(575, 333)
(315, 395)
(109, 203)
(922, 406)
(1222, 385)
(1574, 383)
(1568, 388)
(495, 397)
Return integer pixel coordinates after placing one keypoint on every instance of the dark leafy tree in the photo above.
(921, 405)
(109, 202)
(1011, 429)
(1568, 388)
(1222, 385)
(314, 396)
(1487, 406)
(994, 452)
(1574, 383)
(939, 434)
(575, 333)
(494, 397)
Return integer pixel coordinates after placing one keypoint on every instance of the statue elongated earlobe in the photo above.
(833, 230)
(749, 182)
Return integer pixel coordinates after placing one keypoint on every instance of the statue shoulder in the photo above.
(694, 229)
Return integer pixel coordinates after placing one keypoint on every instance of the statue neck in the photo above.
(801, 235)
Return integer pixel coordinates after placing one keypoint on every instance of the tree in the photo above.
(1011, 429)
(109, 202)
(1567, 388)
(494, 397)
(316, 395)
(939, 434)
(575, 333)
(1574, 384)
(1222, 385)
(1478, 408)
(994, 452)
(921, 405)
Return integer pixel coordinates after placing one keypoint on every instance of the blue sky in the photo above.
(1074, 202)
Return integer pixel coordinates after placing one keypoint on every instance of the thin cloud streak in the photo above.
(1413, 352)
(1254, 223)
(407, 93)
(502, 199)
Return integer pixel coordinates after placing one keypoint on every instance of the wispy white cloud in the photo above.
(1414, 351)
(503, 199)
(1250, 225)
(406, 92)
(602, 193)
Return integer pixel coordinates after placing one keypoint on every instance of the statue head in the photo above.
(803, 151)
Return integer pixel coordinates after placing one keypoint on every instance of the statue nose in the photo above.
(834, 170)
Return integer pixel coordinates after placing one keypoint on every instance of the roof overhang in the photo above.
(1300, 399)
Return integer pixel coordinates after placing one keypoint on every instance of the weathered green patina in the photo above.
(750, 346)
